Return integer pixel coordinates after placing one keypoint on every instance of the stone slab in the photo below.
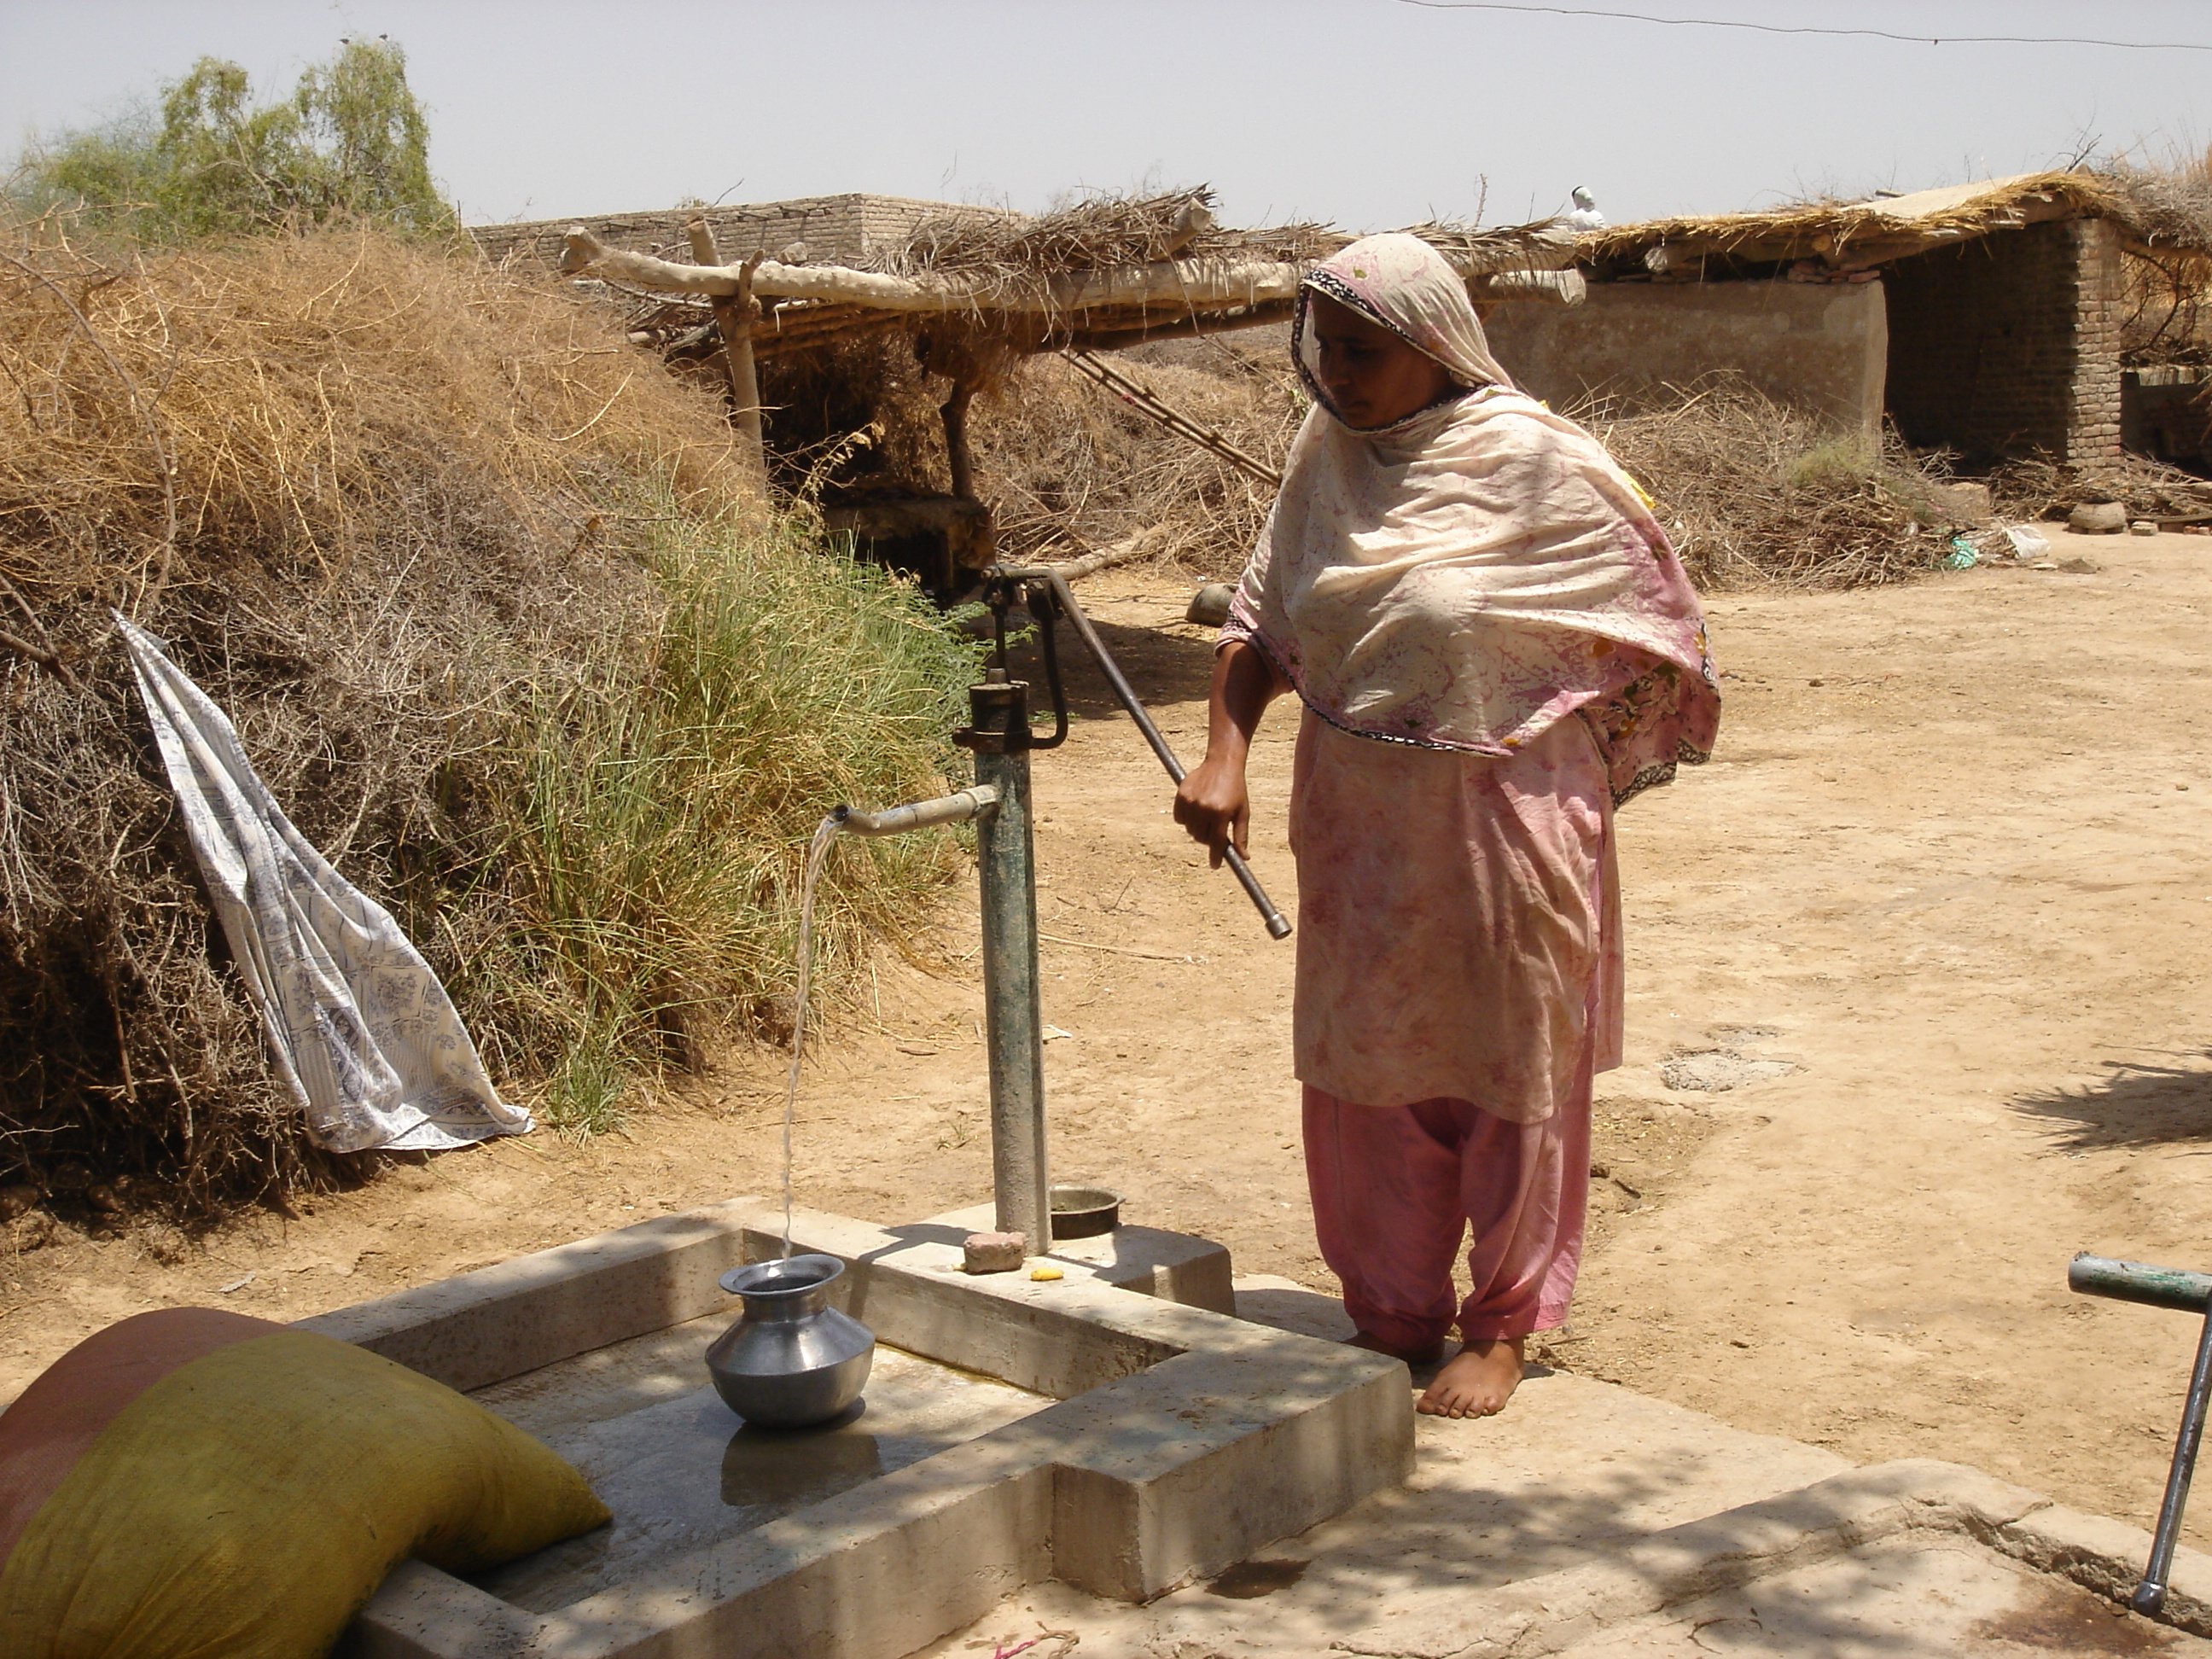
(678, 1470)
(1175, 1440)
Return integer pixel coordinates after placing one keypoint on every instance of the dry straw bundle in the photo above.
(1756, 493)
(482, 587)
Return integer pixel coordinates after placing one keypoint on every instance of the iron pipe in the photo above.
(2138, 1281)
(1013, 1019)
(962, 806)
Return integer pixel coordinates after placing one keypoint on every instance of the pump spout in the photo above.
(962, 806)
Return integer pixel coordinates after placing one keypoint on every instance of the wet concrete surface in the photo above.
(681, 1470)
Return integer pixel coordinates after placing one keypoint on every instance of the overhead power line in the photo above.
(1809, 29)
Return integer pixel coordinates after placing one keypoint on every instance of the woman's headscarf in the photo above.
(1470, 575)
(1401, 283)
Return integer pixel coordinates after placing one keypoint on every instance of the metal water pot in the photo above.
(791, 1359)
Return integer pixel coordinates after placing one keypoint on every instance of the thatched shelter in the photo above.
(1993, 318)
(834, 303)
(1108, 273)
(1843, 238)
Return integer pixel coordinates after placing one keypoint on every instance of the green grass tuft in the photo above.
(657, 812)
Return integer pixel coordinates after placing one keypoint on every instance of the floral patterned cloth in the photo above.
(1495, 645)
(362, 1035)
(1459, 923)
(1469, 577)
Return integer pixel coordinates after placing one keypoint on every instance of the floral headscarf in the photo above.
(1427, 307)
(1470, 575)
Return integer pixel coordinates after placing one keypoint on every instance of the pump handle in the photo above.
(1278, 924)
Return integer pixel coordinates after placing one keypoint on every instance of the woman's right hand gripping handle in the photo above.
(1211, 802)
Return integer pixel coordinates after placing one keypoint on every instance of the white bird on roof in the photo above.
(1585, 215)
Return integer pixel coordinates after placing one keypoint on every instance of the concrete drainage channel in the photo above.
(1074, 1428)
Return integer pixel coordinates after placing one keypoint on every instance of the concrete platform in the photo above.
(657, 1444)
(1590, 1520)
(1173, 1267)
(1119, 1442)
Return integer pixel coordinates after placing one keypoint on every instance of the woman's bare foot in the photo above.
(1415, 1357)
(1476, 1382)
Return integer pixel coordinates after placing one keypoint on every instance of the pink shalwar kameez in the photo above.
(1495, 646)
(1458, 986)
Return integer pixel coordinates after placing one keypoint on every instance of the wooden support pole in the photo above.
(954, 412)
(733, 318)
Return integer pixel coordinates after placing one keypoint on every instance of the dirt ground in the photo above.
(1949, 864)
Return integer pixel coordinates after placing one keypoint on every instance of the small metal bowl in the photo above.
(1085, 1211)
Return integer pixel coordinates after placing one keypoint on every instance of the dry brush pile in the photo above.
(502, 624)
(1757, 494)
(1071, 464)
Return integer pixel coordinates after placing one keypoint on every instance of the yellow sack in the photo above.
(194, 1484)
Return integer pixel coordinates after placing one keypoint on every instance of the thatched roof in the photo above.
(1859, 235)
(1108, 272)
(869, 232)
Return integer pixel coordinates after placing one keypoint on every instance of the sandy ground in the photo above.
(1949, 863)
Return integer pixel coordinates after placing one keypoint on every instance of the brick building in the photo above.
(2009, 343)
(1985, 319)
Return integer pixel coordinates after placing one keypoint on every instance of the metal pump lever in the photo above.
(1278, 924)
(2161, 1287)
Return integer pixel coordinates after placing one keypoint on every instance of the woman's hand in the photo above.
(1212, 805)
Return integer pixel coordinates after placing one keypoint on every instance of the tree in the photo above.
(350, 142)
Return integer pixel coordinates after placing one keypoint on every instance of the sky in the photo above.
(1366, 113)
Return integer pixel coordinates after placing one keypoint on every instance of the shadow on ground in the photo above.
(2163, 1101)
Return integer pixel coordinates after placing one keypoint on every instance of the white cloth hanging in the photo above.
(361, 1031)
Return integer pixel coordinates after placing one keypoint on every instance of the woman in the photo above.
(1495, 646)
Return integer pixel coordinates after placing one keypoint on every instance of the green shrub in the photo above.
(657, 812)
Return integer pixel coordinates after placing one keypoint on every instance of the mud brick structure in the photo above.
(2009, 343)
(1995, 328)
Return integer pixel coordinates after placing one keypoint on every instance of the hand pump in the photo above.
(1001, 737)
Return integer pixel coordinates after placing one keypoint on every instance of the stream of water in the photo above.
(817, 853)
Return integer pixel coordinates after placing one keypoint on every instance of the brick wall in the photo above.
(2009, 343)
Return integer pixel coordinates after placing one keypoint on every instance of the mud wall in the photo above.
(1818, 347)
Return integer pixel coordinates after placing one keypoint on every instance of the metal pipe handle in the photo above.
(2188, 1292)
(2138, 1281)
(1278, 924)
(962, 806)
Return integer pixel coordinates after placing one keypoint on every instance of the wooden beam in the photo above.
(1182, 282)
(1558, 287)
(733, 316)
(1177, 286)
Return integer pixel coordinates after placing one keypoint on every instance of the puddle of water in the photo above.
(680, 1470)
(1248, 1581)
